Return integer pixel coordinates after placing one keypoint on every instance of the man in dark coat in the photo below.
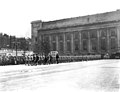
(45, 60)
(36, 59)
(57, 57)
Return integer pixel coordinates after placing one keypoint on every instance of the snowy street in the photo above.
(90, 76)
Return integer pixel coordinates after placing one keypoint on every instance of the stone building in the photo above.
(91, 34)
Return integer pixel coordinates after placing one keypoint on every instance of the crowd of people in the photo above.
(36, 59)
(11, 60)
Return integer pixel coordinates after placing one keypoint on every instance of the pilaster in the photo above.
(50, 42)
(64, 43)
(80, 42)
(72, 43)
(57, 43)
(98, 41)
(89, 44)
(118, 37)
(108, 41)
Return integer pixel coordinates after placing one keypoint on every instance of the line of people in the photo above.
(35, 59)
(11, 60)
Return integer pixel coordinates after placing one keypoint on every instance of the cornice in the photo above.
(79, 25)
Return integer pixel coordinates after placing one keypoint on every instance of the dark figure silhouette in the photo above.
(45, 60)
(36, 59)
(50, 59)
(57, 57)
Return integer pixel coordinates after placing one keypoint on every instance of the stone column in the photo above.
(80, 43)
(57, 43)
(39, 42)
(108, 41)
(72, 43)
(98, 41)
(64, 43)
(89, 44)
(118, 37)
(50, 42)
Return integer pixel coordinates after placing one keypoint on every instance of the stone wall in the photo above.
(90, 34)
(35, 26)
(90, 41)
(103, 17)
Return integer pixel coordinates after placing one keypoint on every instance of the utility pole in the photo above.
(16, 44)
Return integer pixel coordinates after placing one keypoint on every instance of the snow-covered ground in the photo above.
(90, 76)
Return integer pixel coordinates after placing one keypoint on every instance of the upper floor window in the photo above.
(84, 35)
(60, 37)
(76, 35)
(103, 33)
(112, 32)
(68, 36)
(54, 38)
(93, 34)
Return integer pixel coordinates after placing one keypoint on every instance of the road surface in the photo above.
(90, 76)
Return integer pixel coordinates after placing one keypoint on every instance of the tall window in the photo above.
(84, 36)
(54, 42)
(112, 32)
(85, 45)
(93, 40)
(94, 45)
(76, 42)
(113, 43)
(103, 44)
(46, 38)
(113, 37)
(60, 40)
(54, 46)
(103, 39)
(68, 42)
(103, 32)
(68, 46)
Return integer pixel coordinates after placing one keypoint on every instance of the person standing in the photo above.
(36, 59)
(45, 60)
(50, 59)
(57, 57)
(33, 61)
(26, 60)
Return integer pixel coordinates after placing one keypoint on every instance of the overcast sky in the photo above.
(16, 15)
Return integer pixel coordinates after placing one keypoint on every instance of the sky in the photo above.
(16, 15)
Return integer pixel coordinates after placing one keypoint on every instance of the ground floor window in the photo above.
(68, 46)
(61, 47)
(54, 46)
(76, 45)
(113, 43)
(94, 45)
(85, 45)
(104, 44)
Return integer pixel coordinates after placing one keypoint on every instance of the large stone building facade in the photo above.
(91, 34)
